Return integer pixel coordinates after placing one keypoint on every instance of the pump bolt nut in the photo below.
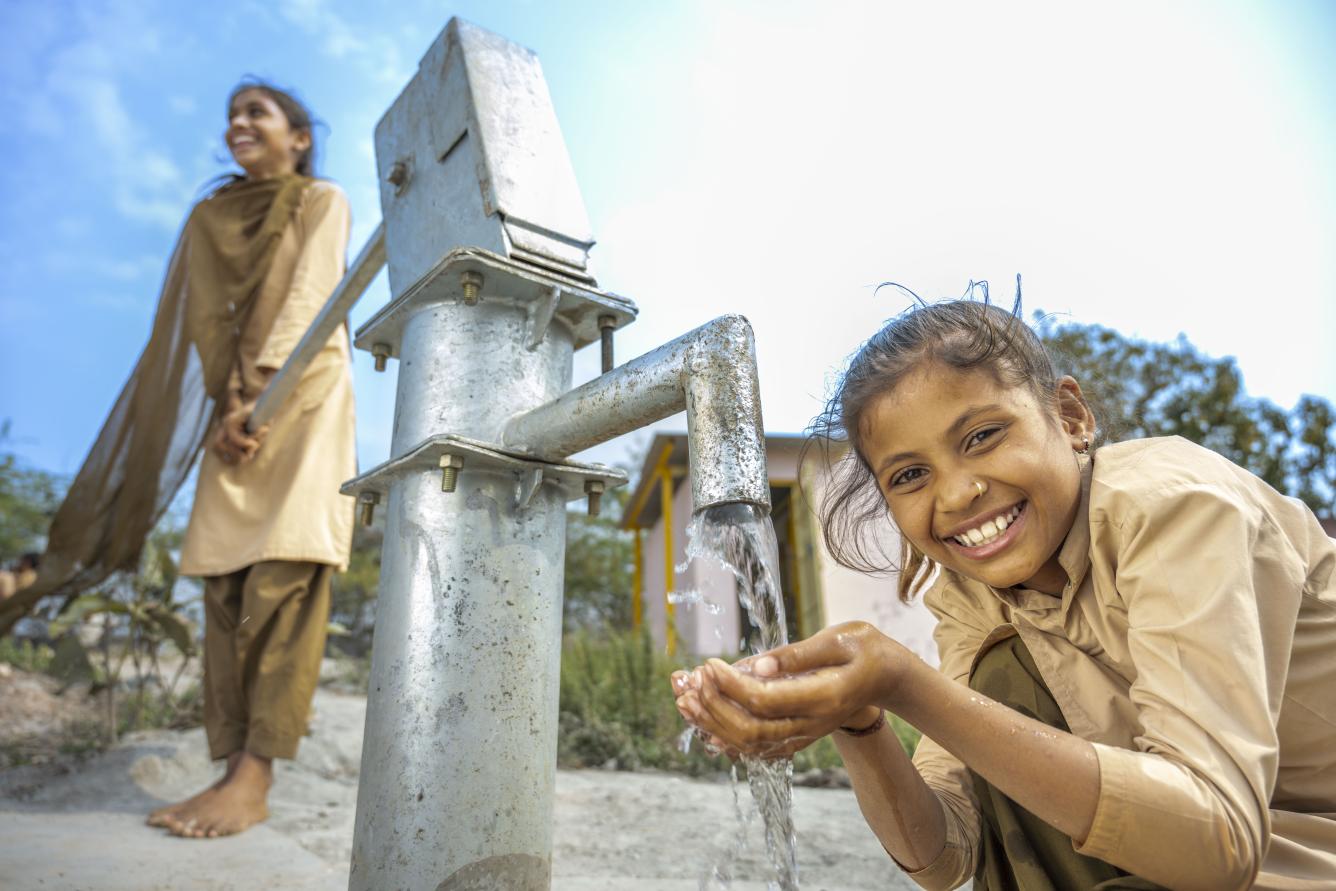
(382, 352)
(471, 282)
(450, 465)
(401, 172)
(368, 500)
(594, 489)
(606, 325)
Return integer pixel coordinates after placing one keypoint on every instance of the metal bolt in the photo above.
(382, 352)
(450, 465)
(472, 282)
(606, 325)
(399, 175)
(368, 500)
(594, 489)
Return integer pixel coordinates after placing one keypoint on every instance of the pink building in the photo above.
(817, 591)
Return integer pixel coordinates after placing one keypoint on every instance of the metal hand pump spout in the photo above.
(710, 372)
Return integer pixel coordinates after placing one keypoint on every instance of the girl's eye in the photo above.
(908, 475)
(980, 436)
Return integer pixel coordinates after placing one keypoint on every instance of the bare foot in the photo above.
(163, 815)
(235, 804)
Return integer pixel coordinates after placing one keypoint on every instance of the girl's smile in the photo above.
(984, 539)
(979, 476)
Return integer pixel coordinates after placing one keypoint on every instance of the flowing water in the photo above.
(742, 539)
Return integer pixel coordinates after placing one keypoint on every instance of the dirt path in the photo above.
(81, 828)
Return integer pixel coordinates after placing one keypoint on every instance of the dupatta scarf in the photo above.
(156, 428)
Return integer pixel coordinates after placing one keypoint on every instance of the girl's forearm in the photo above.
(899, 807)
(1052, 774)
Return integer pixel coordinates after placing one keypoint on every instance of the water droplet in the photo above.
(684, 741)
(688, 597)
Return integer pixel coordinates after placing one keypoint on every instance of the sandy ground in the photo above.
(79, 825)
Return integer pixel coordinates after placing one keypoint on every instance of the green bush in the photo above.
(159, 709)
(25, 654)
(617, 710)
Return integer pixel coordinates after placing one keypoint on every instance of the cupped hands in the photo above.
(779, 702)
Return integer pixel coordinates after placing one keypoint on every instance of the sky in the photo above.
(1159, 168)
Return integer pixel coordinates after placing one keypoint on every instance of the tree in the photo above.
(28, 500)
(1139, 388)
(599, 568)
(137, 614)
(353, 606)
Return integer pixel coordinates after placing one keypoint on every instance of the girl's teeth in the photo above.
(989, 529)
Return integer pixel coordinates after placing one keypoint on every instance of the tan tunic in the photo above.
(285, 503)
(1195, 646)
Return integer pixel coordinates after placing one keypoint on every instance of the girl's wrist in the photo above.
(864, 722)
(897, 664)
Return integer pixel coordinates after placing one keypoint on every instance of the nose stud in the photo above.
(980, 486)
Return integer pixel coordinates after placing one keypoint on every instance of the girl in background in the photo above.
(268, 527)
(1137, 685)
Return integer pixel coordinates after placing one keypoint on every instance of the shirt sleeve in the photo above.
(1212, 591)
(959, 635)
(324, 223)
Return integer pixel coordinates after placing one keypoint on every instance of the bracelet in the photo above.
(869, 729)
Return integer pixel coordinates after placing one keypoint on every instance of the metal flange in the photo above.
(448, 452)
(468, 275)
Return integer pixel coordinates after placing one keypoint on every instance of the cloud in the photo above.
(147, 186)
(122, 303)
(64, 83)
(339, 40)
(145, 268)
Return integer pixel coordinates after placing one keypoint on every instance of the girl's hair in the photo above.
(964, 334)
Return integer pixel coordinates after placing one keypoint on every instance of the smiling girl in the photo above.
(1138, 644)
(258, 258)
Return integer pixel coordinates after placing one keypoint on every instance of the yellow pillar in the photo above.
(638, 584)
(666, 496)
(795, 570)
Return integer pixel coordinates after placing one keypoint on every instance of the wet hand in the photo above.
(779, 702)
(689, 681)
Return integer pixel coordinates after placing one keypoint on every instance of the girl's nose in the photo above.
(957, 492)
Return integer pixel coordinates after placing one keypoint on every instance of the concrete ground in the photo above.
(79, 826)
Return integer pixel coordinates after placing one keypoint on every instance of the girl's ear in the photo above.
(1074, 414)
(301, 140)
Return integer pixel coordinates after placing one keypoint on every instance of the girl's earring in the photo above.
(1085, 446)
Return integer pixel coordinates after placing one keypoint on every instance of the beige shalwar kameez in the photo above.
(1195, 646)
(268, 533)
(285, 503)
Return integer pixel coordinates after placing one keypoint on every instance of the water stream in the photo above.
(742, 539)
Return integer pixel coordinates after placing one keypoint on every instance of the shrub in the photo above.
(26, 654)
